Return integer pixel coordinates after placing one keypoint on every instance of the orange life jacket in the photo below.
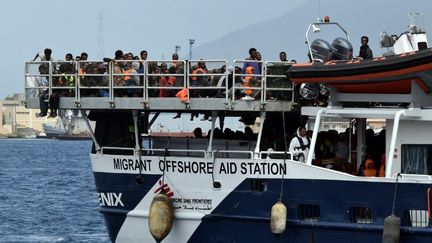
(247, 80)
(195, 72)
(127, 72)
(369, 168)
(182, 95)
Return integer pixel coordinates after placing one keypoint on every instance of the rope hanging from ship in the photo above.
(392, 223)
(278, 215)
(216, 184)
(161, 212)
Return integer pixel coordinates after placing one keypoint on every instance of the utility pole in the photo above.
(177, 49)
(191, 42)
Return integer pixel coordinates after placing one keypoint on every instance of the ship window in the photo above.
(422, 46)
(308, 212)
(361, 215)
(416, 159)
(416, 218)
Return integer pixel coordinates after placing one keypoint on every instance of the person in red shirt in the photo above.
(166, 81)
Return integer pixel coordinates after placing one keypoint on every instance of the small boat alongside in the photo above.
(379, 75)
(334, 65)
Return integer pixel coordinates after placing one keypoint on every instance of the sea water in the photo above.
(47, 192)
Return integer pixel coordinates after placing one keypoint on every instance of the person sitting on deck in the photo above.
(198, 81)
(166, 82)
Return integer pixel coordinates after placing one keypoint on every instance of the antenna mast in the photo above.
(100, 41)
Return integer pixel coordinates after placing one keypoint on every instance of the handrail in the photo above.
(233, 152)
(389, 165)
(105, 81)
(116, 148)
(177, 150)
(318, 24)
(275, 152)
(429, 202)
(156, 150)
(260, 78)
(210, 84)
(315, 135)
(270, 78)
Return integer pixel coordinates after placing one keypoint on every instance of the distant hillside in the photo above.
(367, 17)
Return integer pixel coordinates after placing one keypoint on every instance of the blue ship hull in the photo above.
(318, 210)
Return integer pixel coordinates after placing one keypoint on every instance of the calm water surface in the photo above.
(47, 192)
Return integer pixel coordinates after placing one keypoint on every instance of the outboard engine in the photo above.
(342, 49)
(321, 50)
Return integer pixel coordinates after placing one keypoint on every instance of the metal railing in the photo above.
(253, 80)
(158, 78)
(276, 81)
(231, 152)
(276, 155)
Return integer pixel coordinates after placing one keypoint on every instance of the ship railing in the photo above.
(232, 154)
(93, 80)
(277, 84)
(129, 151)
(256, 85)
(108, 81)
(175, 152)
(154, 75)
(155, 152)
(276, 155)
(127, 79)
(63, 78)
(37, 78)
(212, 83)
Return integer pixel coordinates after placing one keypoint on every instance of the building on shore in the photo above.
(16, 119)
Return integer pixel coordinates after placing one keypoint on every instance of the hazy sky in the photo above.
(29, 26)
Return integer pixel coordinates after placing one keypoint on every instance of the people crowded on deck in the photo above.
(121, 66)
(365, 52)
(93, 77)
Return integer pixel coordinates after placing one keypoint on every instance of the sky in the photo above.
(30, 26)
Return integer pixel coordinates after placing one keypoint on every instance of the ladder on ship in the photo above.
(99, 85)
